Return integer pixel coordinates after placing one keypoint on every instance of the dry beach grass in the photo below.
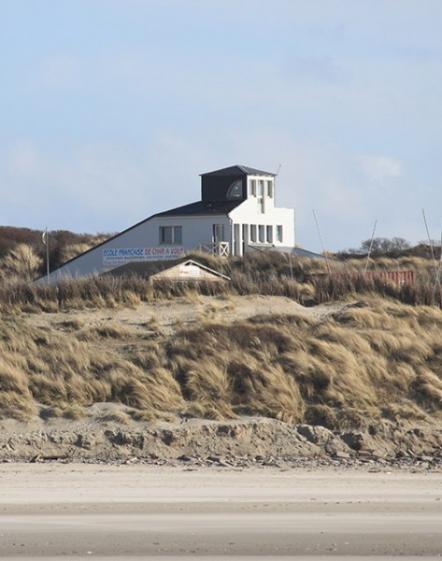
(344, 366)
(90, 369)
(304, 280)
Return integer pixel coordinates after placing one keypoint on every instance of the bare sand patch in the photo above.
(184, 311)
(83, 511)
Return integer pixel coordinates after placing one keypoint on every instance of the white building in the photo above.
(236, 212)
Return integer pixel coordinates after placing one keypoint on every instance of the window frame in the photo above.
(261, 233)
(253, 233)
(280, 233)
(235, 191)
(176, 234)
(269, 233)
(177, 239)
(253, 187)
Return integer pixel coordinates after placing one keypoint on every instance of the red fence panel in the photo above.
(397, 277)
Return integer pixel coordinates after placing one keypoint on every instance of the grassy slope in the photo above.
(374, 358)
(303, 280)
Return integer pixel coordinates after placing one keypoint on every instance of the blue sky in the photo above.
(109, 109)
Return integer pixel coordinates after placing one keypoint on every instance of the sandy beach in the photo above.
(92, 511)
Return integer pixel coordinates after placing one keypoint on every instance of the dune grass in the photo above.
(266, 273)
(374, 358)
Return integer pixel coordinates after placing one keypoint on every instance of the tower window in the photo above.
(253, 233)
(235, 190)
(279, 234)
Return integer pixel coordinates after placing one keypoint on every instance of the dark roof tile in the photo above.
(237, 170)
(201, 208)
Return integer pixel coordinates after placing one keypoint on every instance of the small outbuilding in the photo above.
(184, 270)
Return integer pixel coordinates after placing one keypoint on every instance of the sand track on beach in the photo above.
(92, 511)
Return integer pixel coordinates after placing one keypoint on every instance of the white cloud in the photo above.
(381, 169)
(107, 187)
(23, 160)
(330, 89)
(59, 72)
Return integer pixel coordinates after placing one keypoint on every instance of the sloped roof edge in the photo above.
(237, 170)
(197, 264)
(151, 269)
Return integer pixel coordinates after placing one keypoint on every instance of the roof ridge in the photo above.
(241, 168)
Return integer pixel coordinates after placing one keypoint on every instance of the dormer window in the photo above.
(235, 190)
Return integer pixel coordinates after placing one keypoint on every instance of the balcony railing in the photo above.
(221, 249)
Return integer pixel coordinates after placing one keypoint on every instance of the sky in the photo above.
(110, 110)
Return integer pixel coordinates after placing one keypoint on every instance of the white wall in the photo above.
(196, 230)
(249, 213)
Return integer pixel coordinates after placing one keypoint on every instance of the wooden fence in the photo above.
(400, 278)
(396, 277)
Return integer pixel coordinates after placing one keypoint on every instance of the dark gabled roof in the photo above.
(237, 170)
(143, 268)
(201, 208)
(148, 269)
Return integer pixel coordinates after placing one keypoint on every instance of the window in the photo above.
(261, 188)
(261, 234)
(269, 234)
(261, 205)
(218, 233)
(166, 234)
(170, 235)
(245, 233)
(253, 233)
(270, 189)
(279, 235)
(235, 190)
(253, 187)
(177, 234)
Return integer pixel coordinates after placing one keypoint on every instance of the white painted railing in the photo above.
(222, 249)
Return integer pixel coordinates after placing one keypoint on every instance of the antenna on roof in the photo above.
(279, 169)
